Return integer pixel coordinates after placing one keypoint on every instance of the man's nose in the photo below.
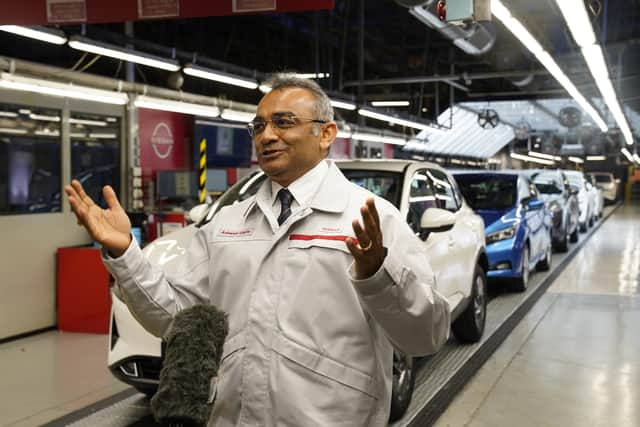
(269, 133)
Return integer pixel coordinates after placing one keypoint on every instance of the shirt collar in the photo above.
(304, 187)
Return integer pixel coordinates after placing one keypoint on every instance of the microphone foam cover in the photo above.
(194, 345)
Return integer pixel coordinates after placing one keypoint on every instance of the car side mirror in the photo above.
(435, 220)
(573, 190)
(197, 212)
(535, 204)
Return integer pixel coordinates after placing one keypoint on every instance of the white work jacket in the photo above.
(308, 345)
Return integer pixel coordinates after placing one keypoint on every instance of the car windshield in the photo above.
(488, 192)
(576, 180)
(547, 184)
(384, 184)
(601, 178)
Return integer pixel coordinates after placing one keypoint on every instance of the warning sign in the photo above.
(66, 11)
(240, 6)
(148, 9)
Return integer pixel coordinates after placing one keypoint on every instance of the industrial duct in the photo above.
(475, 38)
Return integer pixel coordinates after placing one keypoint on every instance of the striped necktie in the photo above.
(286, 198)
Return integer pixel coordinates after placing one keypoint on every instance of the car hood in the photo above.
(495, 220)
(548, 198)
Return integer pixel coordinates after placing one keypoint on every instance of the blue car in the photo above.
(517, 223)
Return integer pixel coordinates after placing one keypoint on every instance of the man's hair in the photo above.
(322, 105)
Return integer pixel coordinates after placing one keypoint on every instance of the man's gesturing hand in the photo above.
(368, 253)
(110, 227)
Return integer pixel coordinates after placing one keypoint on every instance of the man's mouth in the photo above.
(271, 153)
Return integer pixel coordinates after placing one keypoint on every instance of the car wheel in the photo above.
(575, 235)
(563, 245)
(545, 263)
(519, 284)
(583, 227)
(402, 386)
(469, 326)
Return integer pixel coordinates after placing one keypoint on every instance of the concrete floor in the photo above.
(574, 360)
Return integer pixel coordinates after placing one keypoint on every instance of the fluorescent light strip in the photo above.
(87, 122)
(390, 103)
(627, 154)
(521, 33)
(596, 158)
(313, 75)
(27, 84)
(542, 155)
(47, 132)
(44, 118)
(44, 34)
(576, 159)
(398, 121)
(343, 134)
(98, 135)
(117, 52)
(237, 116)
(531, 159)
(360, 136)
(343, 105)
(264, 88)
(13, 131)
(143, 101)
(218, 76)
(636, 158)
(8, 114)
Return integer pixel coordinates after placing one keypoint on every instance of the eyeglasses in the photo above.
(257, 126)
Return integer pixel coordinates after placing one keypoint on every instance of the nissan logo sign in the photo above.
(162, 140)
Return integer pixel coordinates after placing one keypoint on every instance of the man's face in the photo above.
(287, 154)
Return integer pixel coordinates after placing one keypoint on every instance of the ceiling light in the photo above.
(264, 88)
(522, 34)
(576, 159)
(111, 119)
(8, 114)
(627, 154)
(13, 131)
(390, 103)
(143, 101)
(398, 121)
(343, 105)
(87, 122)
(44, 118)
(542, 155)
(378, 138)
(49, 35)
(636, 158)
(578, 21)
(237, 116)
(117, 52)
(24, 111)
(78, 135)
(98, 135)
(343, 134)
(312, 75)
(64, 90)
(219, 76)
(47, 132)
(531, 159)
(596, 158)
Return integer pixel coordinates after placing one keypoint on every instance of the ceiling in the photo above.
(395, 45)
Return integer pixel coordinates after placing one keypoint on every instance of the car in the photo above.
(607, 182)
(562, 202)
(597, 195)
(424, 193)
(585, 200)
(517, 224)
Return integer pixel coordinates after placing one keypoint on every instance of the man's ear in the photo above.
(328, 133)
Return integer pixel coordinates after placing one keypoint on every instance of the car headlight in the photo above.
(504, 234)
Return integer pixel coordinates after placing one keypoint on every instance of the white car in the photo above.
(597, 195)
(585, 200)
(454, 244)
(607, 183)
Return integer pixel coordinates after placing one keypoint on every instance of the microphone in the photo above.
(188, 378)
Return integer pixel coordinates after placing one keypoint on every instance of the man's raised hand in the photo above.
(110, 227)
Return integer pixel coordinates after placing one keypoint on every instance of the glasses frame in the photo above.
(296, 119)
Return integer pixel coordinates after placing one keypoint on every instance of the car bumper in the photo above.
(505, 258)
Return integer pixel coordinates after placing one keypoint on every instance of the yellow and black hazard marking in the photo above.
(202, 183)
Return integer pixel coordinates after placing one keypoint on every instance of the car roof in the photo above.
(391, 165)
(505, 172)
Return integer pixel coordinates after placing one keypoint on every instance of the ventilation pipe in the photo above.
(474, 38)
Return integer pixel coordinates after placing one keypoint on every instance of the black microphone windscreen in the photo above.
(194, 345)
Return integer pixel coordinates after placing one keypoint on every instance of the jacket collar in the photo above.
(326, 199)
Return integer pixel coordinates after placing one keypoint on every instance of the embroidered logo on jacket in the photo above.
(243, 232)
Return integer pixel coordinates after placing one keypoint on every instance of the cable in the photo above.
(90, 63)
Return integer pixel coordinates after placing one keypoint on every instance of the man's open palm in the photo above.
(110, 227)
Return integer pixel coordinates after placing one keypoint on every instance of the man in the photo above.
(314, 296)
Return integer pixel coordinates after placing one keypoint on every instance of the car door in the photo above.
(461, 239)
(436, 244)
(534, 219)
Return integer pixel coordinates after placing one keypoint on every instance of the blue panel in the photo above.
(226, 147)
